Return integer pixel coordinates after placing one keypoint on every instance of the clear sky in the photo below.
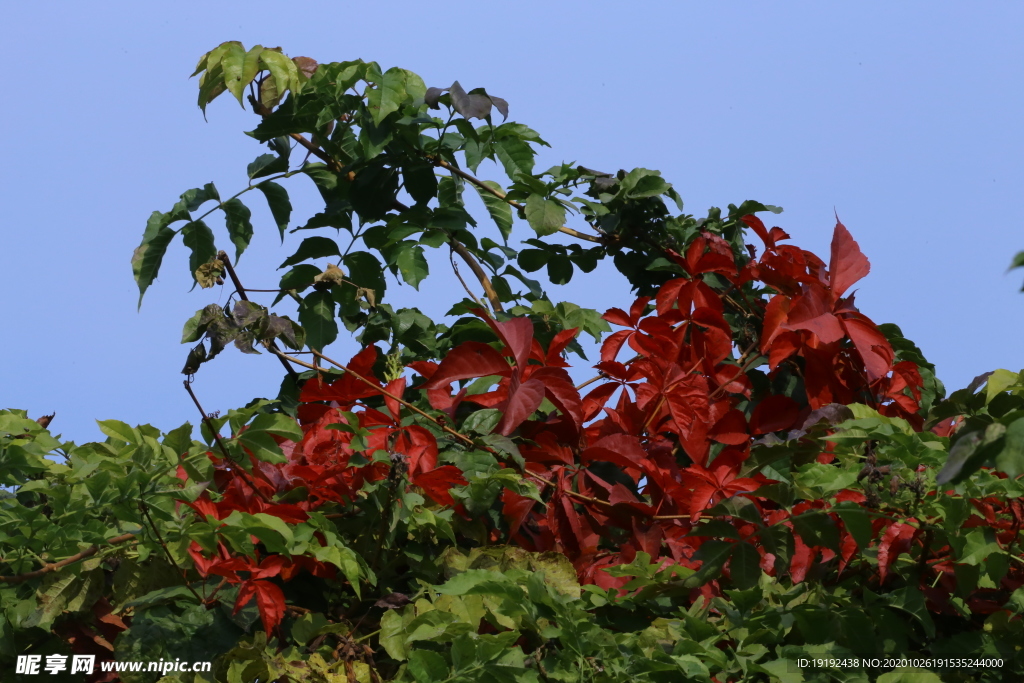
(905, 118)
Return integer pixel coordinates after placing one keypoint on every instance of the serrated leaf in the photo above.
(240, 67)
(545, 216)
(237, 215)
(282, 70)
(280, 206)
(198, 237)
(412, 264)
(119, 430)
(312, 247)
(499, 209)
(515, 155)
(150, 254)
(266, 164)
(316, 315)
(745, 566)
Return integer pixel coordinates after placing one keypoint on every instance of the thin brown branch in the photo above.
(223, 258)
(223, 449)
(160, 540)
(455, 267)
(48, 568)
(501, 195)
(474, 265)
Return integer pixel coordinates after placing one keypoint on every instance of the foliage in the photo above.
(758, 473)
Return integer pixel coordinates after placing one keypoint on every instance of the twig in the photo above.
(48, 568)
(223, 448)
(474, 265)
(160, 539)
(501, 195)
(455, 267)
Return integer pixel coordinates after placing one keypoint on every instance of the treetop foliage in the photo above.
(757, 472)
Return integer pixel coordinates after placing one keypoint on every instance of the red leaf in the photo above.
(595, 400)
(469, 360)
(419, 447)
(896, 540)
(270, 600)
(730, 429)
(620, 449)
(871, 344)
(515, 509)
(557, 346)
(848, 264)
(516, 334)
(617, 316)
(803, 556)
(774, 414)
(759, 227)
(560, 390)
(437, 481)
(610, 347)
(522, 402)
(395, 387)
(346, 389)
(811, 311)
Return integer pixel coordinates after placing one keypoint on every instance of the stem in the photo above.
(455, 267)
(48, 568)
(159, 538)
(223, 257)
(223, 448)
(438, 161)
(474, 265)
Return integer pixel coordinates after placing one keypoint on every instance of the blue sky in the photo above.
(905, 118)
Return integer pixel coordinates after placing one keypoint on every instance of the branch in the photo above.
(223, 448)
(160, 540)
(48, 568)
(501, 195)
(474, 265)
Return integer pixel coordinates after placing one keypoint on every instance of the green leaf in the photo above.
(267, 164)
(237, 217)
(312, 247)
(745, 566)
(282, 69)
(482, 421)
(148, 256)
(199, 238)
(120, 431)
(499, 209)
(817, 529)
(240, 67)
(545, 216)
(280, 206)
(1011, 459)
(515, 155)
(559, 269)
(857, 522)
(395, 87)
(427, 666)
(392, 635)
(411, 263)
(316, 315)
